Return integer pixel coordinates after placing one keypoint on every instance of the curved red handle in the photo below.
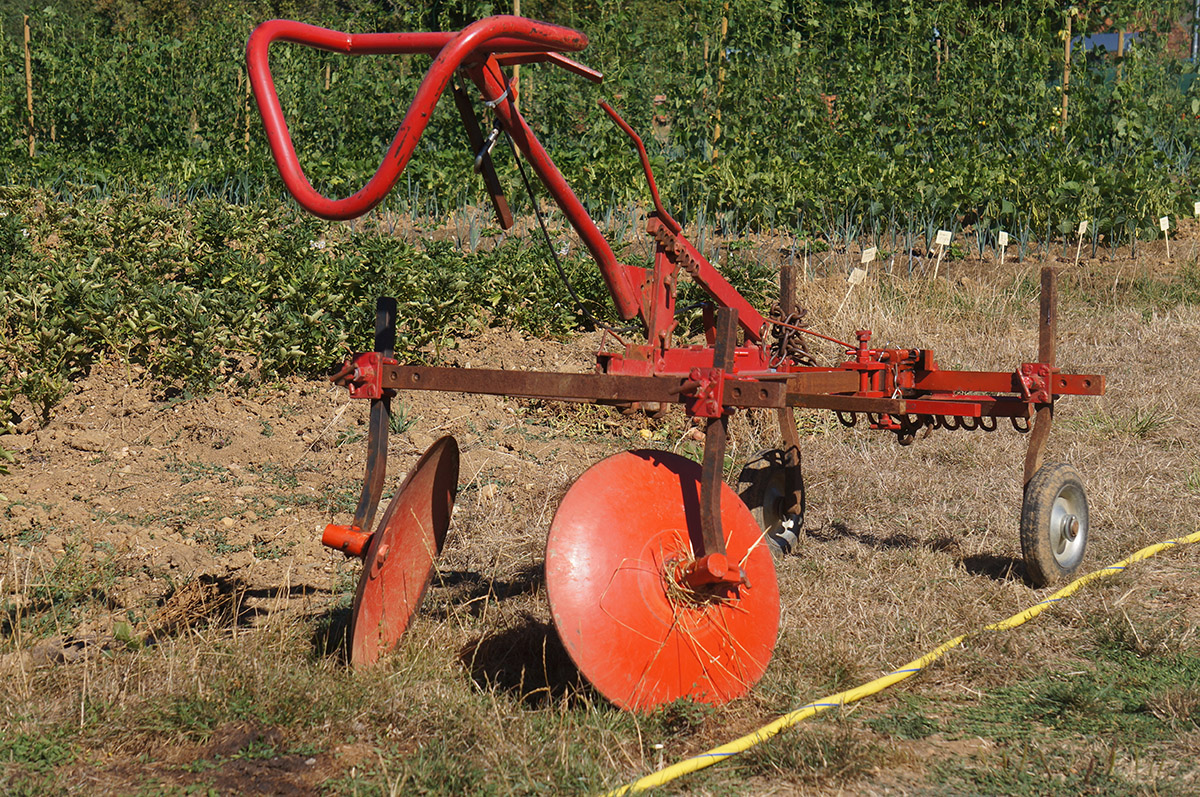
(478, 40)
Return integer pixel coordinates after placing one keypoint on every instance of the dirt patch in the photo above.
(240, 758)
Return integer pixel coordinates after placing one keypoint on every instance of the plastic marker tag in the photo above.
(1002, 238)
(857, 276)
(868, 254)
(1083, 227)
(1164, 224)
(1196, 208)
(943, 238)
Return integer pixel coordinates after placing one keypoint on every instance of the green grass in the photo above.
(1138, 422)
(907, 720)
(829, 752)
(58, 598)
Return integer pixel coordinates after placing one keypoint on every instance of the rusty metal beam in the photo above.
(715, 436)
(1047, 332)
(587, 387)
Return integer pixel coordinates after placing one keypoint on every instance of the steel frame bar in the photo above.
(576, 387)
(487, 169)
(1047, 346)
(793, 476)
(380, 417)
(716, 434)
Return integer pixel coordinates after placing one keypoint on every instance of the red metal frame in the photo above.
(899, 390)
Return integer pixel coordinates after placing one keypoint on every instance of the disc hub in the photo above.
(713, 569)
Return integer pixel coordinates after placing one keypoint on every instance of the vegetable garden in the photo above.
(169, 619)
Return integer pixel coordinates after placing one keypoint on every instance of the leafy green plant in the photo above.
(765, 114)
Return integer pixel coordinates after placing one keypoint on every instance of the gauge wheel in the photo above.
(762, 486)
(1054, 524)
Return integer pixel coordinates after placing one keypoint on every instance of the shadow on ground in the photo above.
(526, 659)
(993, 566)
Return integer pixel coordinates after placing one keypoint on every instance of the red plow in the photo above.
(660, 577)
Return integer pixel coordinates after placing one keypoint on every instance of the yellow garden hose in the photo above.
(718, 754)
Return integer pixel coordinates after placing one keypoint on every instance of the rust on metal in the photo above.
(575, 387)
(1047, 332)
(715, 434)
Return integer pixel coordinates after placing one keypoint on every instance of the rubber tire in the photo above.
(760, 486)
(1052, 482)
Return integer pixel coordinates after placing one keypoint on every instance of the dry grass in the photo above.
(904, 547)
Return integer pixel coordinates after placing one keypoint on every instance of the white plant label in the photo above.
(868, 254)
(943, 238)
(1164, 224)
(1083, 227)
(857, 276)
(1196, 208)
(1002, 238)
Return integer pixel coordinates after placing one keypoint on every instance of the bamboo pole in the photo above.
(1066, 84)
(720, 75)
(1120, 51)
(516, 79)
(246, 111)
(28, 82)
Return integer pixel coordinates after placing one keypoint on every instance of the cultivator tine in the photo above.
(793, 480)
(380, 417)
(715, 436)
(1047, 329)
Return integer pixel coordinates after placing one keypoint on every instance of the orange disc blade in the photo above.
(399, 560)
(638, 635)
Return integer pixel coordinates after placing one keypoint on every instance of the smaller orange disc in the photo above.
(616, 546)
(399, 559)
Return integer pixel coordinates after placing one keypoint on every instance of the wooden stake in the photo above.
(516, 78)
(720, 75)
(246, 112)
(28, 82)
(1120, 50)
(1066, 86)
(943, 239)
(937, 70)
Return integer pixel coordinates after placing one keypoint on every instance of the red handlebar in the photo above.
(477, 41)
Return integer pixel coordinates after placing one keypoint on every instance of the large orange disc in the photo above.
(631, 628)
(399, 561)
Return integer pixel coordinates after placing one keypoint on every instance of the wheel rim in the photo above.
(1068, 525)
(762, 485)
(618, 537)
(779, 526)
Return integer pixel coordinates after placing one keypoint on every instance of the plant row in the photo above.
(775, 112)
(209, 293)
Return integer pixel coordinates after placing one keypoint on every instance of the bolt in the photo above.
(1070, 527)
